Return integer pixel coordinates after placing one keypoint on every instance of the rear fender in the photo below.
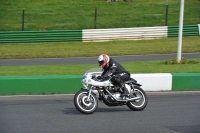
(137, 84)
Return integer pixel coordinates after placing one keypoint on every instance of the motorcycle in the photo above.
(85, 100)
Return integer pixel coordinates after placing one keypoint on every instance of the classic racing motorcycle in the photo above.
(86, 99)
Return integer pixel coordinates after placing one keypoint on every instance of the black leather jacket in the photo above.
(113, 68)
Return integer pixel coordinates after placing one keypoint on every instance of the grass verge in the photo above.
(80, 49)
(133, 67)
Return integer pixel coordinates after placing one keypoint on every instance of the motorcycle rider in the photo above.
(116, 71)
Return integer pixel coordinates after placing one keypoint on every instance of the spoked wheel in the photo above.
(83, 104)
(139, 104)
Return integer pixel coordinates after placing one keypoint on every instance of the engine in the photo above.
(114, 89)
(116, 95)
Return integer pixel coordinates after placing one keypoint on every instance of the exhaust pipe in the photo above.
(125, 100)
(135, 98)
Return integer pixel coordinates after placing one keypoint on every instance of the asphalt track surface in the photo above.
(92, 60)
(166, 112)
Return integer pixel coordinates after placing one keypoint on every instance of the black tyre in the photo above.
(140, 104)
(82, 104)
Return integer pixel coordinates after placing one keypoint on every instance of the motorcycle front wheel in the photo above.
(83, 104)
(140, 104)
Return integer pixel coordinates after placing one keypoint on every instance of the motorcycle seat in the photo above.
(130, 81)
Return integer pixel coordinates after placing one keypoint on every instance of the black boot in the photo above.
(125, 91)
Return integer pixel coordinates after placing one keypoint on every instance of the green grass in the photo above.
(79, 14)
(133, 67)
(79, 49)
(75, 49)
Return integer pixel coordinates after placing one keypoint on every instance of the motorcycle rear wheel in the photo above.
(81, 103)
(140, 104)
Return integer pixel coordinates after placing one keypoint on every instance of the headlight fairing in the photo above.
(84, 80)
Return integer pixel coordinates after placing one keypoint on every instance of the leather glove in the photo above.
(99, 78)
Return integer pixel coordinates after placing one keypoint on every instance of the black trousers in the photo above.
(119, 79)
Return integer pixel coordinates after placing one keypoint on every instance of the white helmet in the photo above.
(103, 61)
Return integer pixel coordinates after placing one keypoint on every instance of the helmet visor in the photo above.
(101, 62)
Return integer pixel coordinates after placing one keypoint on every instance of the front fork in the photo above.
(89, 93)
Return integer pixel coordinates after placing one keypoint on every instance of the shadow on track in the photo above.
(74, 111)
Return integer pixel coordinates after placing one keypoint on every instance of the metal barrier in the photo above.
(188, 30)
(40, 36)
(55, 84)
(62, 84)
(95, 35)
(124, 34)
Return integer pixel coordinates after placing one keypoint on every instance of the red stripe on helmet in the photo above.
(105, 58)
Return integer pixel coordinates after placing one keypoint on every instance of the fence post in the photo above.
(166, 19)
(95, 18)
(23, 20)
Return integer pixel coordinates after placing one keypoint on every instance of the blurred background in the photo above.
(37, 15)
